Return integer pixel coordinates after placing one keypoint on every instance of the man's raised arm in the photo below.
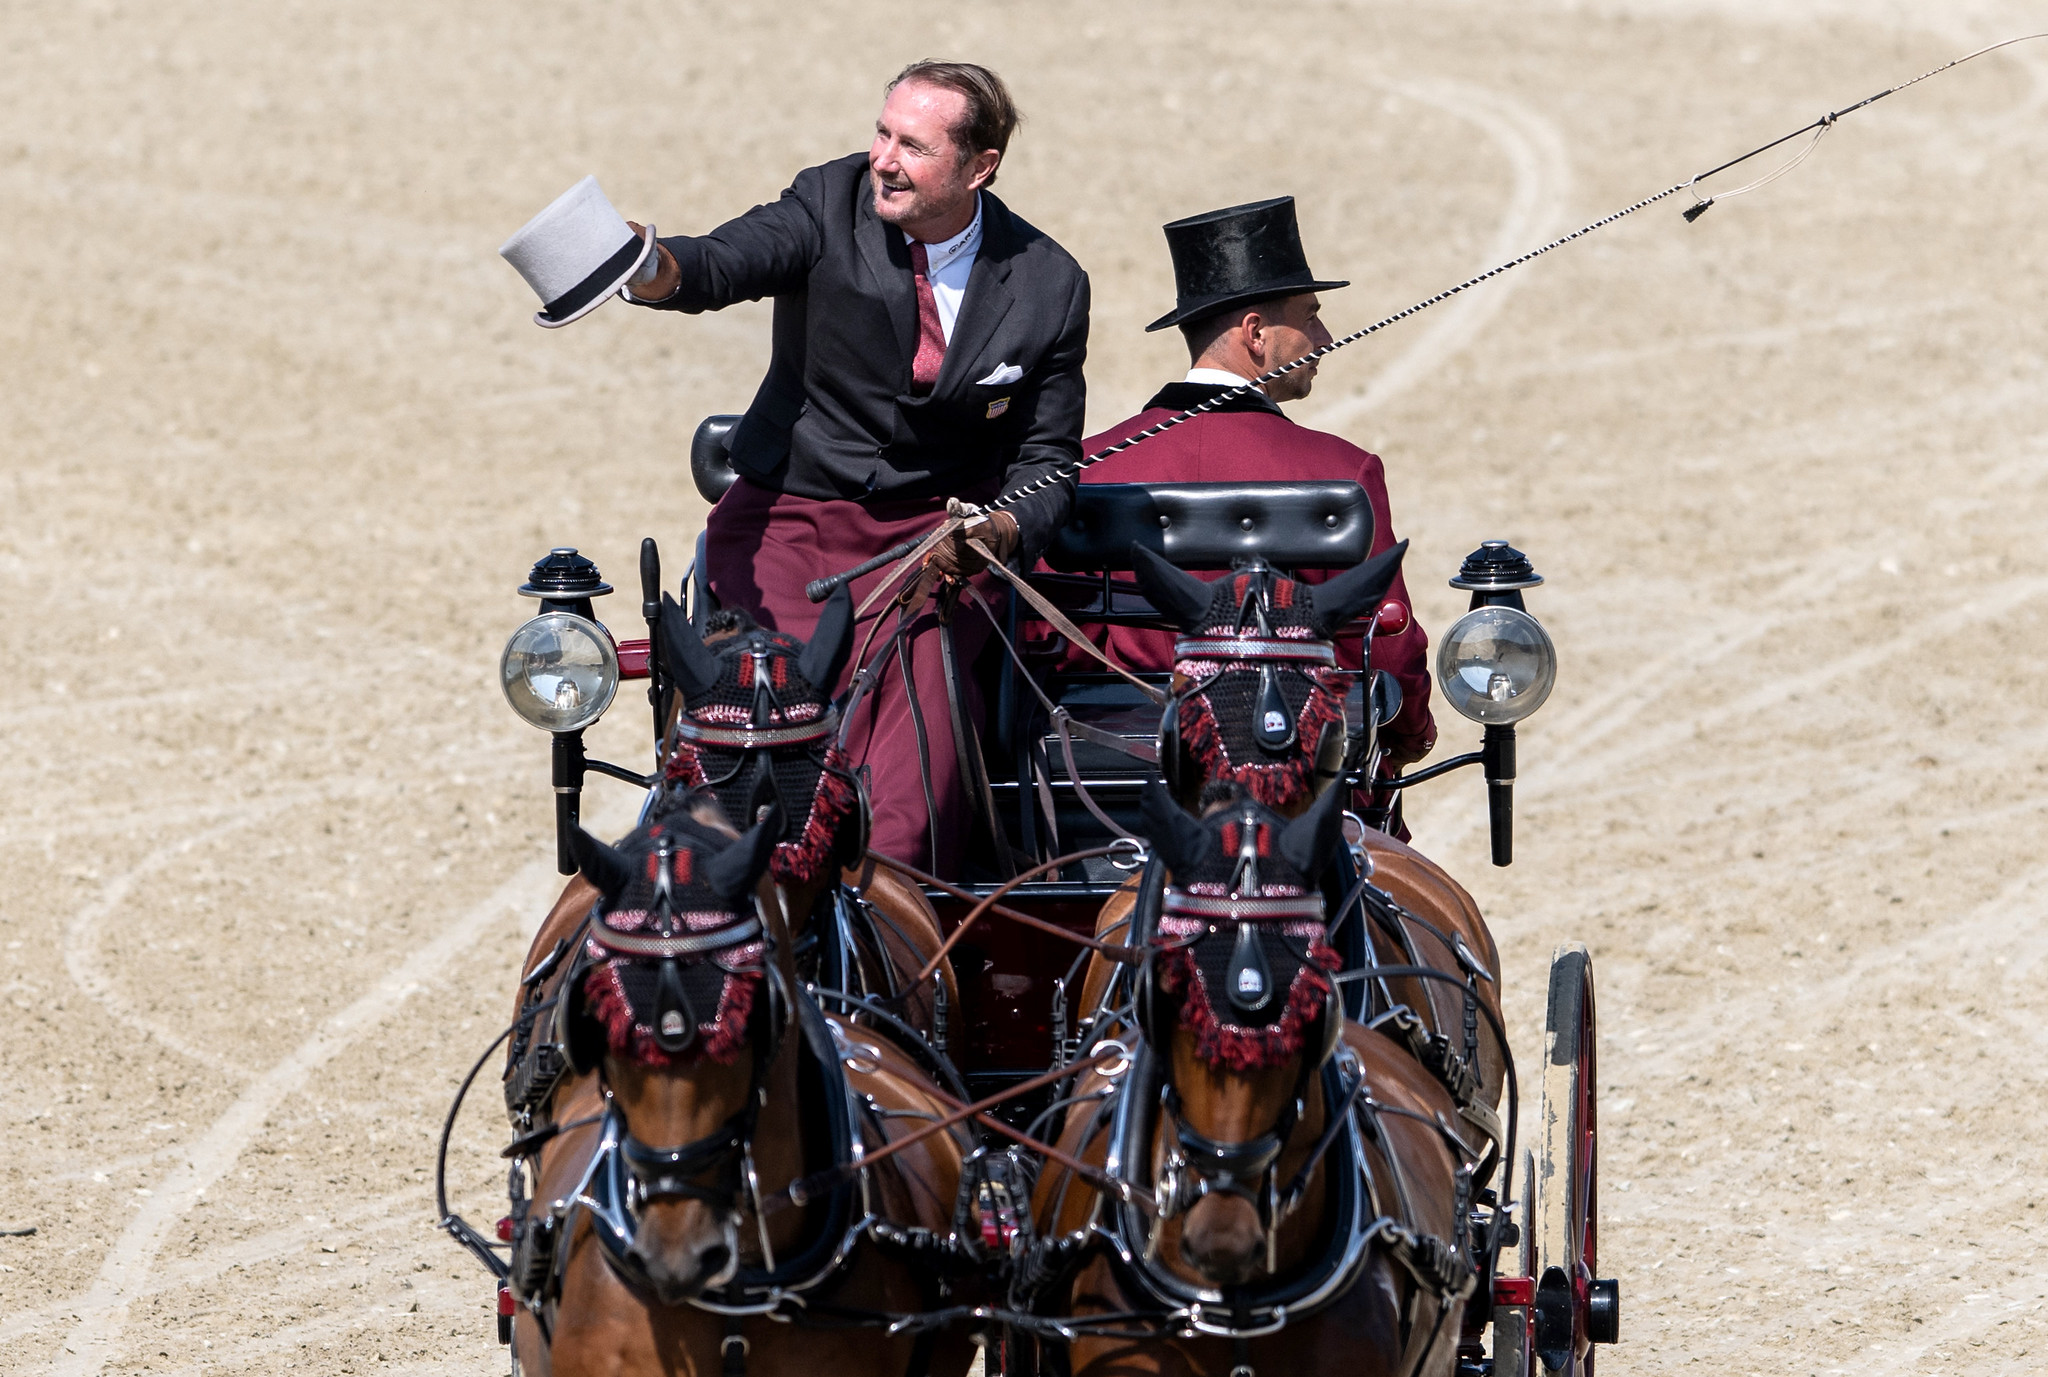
(767, 251)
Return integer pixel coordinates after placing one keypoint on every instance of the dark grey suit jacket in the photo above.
(835, 418)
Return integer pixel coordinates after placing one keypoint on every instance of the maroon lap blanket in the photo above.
(761, 548)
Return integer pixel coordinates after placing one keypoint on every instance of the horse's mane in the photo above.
(729, 621)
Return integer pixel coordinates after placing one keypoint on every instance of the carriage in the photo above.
(1057, 786)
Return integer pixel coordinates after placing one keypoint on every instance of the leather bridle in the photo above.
(677, 1172)
(1198, 1166)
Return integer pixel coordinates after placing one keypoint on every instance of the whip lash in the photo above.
(820, 589)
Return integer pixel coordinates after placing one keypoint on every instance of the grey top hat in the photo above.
(1234, 257)
(576, 253)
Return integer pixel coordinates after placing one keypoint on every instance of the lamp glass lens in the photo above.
(1496, 665)
(560, 671)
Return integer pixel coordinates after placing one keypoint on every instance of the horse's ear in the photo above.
(1355, 592)
(830, 642)
(683, 655)
(1311, 840)
(604, 866)
(1179, 839)
(1180, 597)
(733, 872)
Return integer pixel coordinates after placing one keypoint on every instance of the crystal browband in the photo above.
(1179, 903)
(1252, 648)
(690, 944)
(748, 738)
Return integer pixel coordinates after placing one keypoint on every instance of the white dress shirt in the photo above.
(1215, 377)
(949, 265)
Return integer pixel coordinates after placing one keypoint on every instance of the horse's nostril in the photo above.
(715, 1258)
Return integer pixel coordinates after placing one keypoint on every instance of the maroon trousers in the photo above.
(761, 548)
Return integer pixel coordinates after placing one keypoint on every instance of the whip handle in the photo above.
(817, 590)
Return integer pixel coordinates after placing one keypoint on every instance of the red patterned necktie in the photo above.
(931, 337)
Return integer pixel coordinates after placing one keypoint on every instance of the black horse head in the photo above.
(758, 730)
(1263, 705)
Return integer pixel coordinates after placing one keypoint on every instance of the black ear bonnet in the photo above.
(758, 730)
(1239, 951)
(676, 951)
(1265, 702)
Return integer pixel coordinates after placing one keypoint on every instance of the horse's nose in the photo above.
(1222, 1239)
(715, 1266)
(677, 1274)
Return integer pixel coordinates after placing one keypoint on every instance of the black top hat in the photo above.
(1236, 256)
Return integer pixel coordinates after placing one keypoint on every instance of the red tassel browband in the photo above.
(719, 1039)
(1277, 784)
(1233, 1046)
(802, 861)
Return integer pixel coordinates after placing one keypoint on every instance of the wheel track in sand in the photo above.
(125, 1272)
(1542, 178)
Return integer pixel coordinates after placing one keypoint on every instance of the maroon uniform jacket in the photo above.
(1248, 440)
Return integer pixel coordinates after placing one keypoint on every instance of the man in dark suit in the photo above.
(1248, 304)
(927, 344)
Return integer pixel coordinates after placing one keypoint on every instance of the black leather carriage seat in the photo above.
(712, 471)
(1320, 525)
(1196, 526)
(711, 456)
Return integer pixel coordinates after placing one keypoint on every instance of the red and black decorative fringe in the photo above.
(802, 861)
(685, 766)
(719, 1040)
(1277, 784)
(1237, 1048)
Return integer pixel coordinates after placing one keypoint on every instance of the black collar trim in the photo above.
(1181, 396)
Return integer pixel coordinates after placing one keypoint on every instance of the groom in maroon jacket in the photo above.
(1247, 304)
(927, 343)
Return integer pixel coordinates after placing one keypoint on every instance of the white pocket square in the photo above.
(1006, 373)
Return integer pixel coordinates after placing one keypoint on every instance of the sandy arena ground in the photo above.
(279, 441)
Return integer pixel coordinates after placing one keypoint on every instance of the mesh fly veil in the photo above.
(677, 948)
(757, 728)
(1263, 688)
(1242, 945)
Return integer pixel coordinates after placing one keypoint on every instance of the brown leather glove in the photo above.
(998, 531)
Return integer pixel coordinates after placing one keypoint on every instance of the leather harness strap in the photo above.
(1059, 621)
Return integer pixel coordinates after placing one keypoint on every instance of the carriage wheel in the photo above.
(1511, 1309)
(1575, 1307)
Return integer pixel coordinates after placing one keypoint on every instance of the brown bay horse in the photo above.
(1311, 1179)
(1258, 704)
(711, 1089)
(752, 728)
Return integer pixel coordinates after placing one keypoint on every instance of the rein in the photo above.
(1114, 951)
(802, 1191)
(984, 905)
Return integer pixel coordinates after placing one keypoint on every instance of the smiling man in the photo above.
(927, 343)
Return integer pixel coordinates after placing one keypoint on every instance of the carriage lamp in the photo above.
(1496, 665)
(559, 671)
